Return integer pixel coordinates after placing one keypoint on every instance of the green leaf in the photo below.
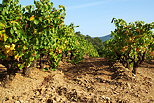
(46, 69)
(40, 18)
(14, 28)
(21, 66)
(36, 22)
(10, 40)
(31, 58)
(5, 37)
(54, 69)
(2, 25)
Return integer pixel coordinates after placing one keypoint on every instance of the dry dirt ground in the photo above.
(91, 81)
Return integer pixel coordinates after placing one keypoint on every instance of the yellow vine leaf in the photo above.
(12, 47)
(17, 57)
(35, 31)
(7, 47)
(14, 22)
(3, 35)
(125, 48)
(24, 47)
(9, 52)
(32, 18)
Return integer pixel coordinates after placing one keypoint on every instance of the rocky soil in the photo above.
(91, 81)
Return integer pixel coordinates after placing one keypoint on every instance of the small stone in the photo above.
(17, 102)
(26, 101)
(43, 90)
(37, 93)
(6, 98)
(21, 101)
(129, 86)
(49, 101)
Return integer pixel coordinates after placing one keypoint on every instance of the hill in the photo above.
(105, 38)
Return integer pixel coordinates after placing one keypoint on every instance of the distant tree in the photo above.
(96, 42)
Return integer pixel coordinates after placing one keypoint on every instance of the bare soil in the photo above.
(91, 81)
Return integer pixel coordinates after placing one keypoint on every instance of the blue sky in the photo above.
(94, 16)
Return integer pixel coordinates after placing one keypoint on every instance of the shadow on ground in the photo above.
(91, 66)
